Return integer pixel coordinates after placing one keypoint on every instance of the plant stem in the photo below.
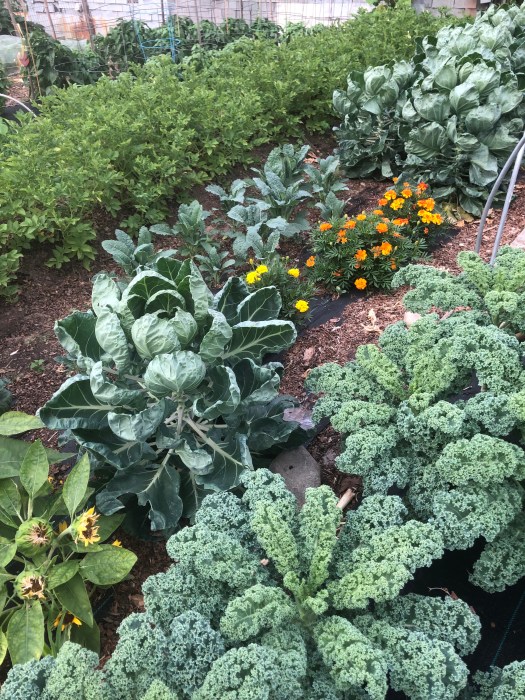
(347, 497)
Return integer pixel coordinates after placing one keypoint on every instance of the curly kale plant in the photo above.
(408, 423)
(172, 398)
(267, 603)
(498, 292)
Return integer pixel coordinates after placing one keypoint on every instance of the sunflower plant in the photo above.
(364, 251)
(52, 551)
(295, 285)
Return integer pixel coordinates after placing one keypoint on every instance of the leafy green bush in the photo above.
(451, 116)
(409, 422)
(173, 400)
(51, 555)
(137, 140)
(365, 251)
(3, 86)
(265, 602)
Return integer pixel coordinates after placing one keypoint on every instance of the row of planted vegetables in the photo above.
(177, 415)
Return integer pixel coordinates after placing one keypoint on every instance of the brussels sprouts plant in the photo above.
(51, 552)
(172, 399)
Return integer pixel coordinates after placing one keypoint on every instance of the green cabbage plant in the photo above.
(172, 399)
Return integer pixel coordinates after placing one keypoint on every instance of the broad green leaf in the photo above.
(231, 295)
(142, 288)
(197, 460)
(229, 461)
(112, 339)
(263, 305)
(256, 383)
(434, 107)
(463, 98)
(185, 327)
(254, 610)
(86, 637)
(106, 391)
(120, 453)
(446, 77)
(154, 336)
(108, 566)
(178, 373)
(10, 502)
(215, 340)
(75, 486)
(7, 551)
(482, 118)
(254, 339)
(75, 406)
(165, 302)
(34, 469)
(13, 451)
(200, 294)
(107, 524)
(62, 573)
(168, 267)
(105, 293)
(483, 166)
(224, 395)
(426, 141)
(5, 577)
(137, 426)
(76, 333)
(25, 633)
(16, 422)
(191, 493)
(3, 647)
(73, 597)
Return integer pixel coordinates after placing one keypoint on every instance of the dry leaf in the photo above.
(308, 355)
(410, 318)
(374, 327)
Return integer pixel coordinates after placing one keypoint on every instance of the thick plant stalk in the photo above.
(347, 498)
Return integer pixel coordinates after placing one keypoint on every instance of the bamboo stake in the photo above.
(51, 25)
(89, 22)
(12, 17)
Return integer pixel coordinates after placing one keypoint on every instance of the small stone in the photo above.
(519, 241)
(299, 470)
(308, 355)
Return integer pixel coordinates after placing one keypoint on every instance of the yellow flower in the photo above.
(68, 619)
(86, 528)
(253, 277)
(378, 212)
(311, 261)
(425, 216)
(406, 193)
(437, 219)
(62, 526)
(397, 203)
(294, 272)
(381, 228)
(302, 306)
(360, 255)
(386, 248)
(361, 217)
(389, 194)
(116, 543)
(360, 283)
(349, 224)
(325, 226)
(261, 270)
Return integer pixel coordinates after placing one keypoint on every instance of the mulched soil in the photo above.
(28, 347)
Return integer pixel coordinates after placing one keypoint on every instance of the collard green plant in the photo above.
(451, 116)
(190, 228)
(52, 555)
(172, 398)
(268, 603)
(325, 178)
(437, 410)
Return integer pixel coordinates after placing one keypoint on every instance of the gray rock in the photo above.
(299, 470)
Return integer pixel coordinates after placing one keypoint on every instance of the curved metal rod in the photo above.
(506, 206)
(494, 191)
(8, 97)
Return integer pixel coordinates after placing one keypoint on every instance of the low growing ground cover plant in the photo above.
(364, 251)
(437, 410)
(52, 551)
(173, 399)
(451, 116)
(141, 138)
(265, 602)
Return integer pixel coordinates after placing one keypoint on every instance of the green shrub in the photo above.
(268, 603)
(451, 116)
(135, 141)
(407, 423)
(173, 400)
(52, 556)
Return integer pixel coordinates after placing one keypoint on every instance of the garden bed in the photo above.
(337, 328)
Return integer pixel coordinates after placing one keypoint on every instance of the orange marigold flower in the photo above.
(400, 222)
(397, 235)
(360, 283)
(427, 204)
(325, 226)
(425, 230)
(361, 254)
(390, 194)
(311, 261)
(406, 184)
(422, 186)
(437, 219)
(386, 248)
(395, 179)
(382, 202)
(361, 217)
(378, 212)
(425, 216)
(376, 250)
(393, 266)
(397, 203)
(343, 239)
(382, 228)
(406, 193)
(349, 224)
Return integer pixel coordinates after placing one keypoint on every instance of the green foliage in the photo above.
(278, 627)
(173, 399)
(452, 115)
(135, 141)
(51, 552)
(5, 396)
(506, 683)
(497, 293)
(407, 422)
